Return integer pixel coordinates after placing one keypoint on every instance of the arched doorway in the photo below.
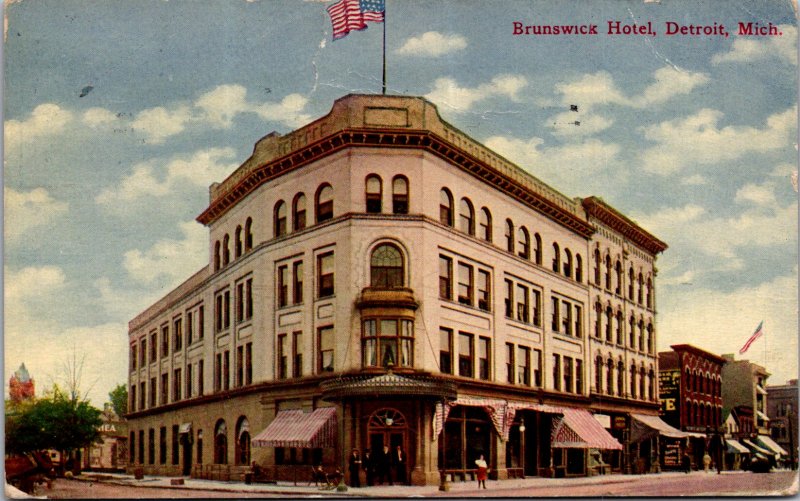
(387, 427)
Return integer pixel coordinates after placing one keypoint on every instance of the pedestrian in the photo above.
(369, 467)
(355, 468)
(384, 467)
(483, 471)
(686, 462)
(706, 462)
(399, 464)
(718, 446)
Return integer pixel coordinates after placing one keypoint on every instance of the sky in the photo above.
(119, 115)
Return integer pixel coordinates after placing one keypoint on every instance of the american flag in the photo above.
(757, 334)
(350, 15)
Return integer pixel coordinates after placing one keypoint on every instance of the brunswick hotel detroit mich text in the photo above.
(377, 277)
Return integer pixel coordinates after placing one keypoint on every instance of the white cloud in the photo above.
(747, 50)
(695, 180)
(32, 282)
(45, 120)
(721, 322)
(201, 169)
(698, 140)
(98, 117)
(759, 194)
(432, 44)
(27, 210)
(222, 104)
(669, 82)
(168, 262)
(447, 93)
(160, 123)
(288, 111)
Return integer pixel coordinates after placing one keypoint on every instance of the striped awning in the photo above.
(735, 447)
(295, 428)
(755, 448)
(770, 444)
(495, 409)
(577, 428)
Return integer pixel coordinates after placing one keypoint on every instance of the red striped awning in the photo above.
(295, 428)
(578, 429)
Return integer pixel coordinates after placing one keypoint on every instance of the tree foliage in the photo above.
(53, 422)
(119, 399)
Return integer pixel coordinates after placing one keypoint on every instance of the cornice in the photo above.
(606, 214)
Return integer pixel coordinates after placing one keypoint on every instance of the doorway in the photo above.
(187, 454)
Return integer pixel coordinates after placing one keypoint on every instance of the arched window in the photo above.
(509, 236)
(598, 326)
(374, 194)
(650, 340)
(639, 290)
(237, 242)
(280, 219)
(641, 335)
(466, 217)
(556, 258)
(620, 378)
(609, 323)
(688, 383)
(226, 252)
(243, 441)
(620, 329)
(618, 276)
(248, 234)
(445, 207)
(400, 195)
(567, 263)
(537, 248)
(631, 280)
(633, 380)
(632, 333)
(524, 243)
(610, 377)
(221, 443)
(597, 267)
(651, 383)
(486, 224)
(386, 267)
(649, 293)
(608, 272)
(578, 268)
(299, 212)
(216, 255)
(598, 374)
(641, 382)
(323, 206)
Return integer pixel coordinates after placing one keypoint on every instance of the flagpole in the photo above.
(384, 49)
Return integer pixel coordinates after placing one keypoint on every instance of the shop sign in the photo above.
(619, 422)
(672, 453)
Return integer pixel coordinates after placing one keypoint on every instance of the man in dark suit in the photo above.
(355, 468)
(369, 467)
(384, 466)
(399, 463)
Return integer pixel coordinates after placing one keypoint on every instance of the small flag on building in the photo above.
(353, 15)
(757, 334)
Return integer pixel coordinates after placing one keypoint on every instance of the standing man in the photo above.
(369, 467)
(355, 468)
(399, 463)
(385, 466)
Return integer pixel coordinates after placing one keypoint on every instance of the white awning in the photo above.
(185, 428)
(646, 426)
(735, 447)
(762, 416)
(753, 447)
(761, 390)
(770, 444)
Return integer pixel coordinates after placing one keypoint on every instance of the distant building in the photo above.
(744, 385)
(111, 453)
(21, 386)
(782, 412)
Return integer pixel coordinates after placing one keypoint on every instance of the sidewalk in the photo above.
(382, 491)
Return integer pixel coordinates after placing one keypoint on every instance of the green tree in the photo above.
(119, 399)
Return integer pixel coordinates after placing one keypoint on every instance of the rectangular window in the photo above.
(325, 342)
(218, 312)
(175, 448)
(248, 363)
(176, 385)
(566, 318)
(189, 380)
(151, 446)
(133, 357)
(466, 350)
(141, 446)
(537, 368)
(226, 310)
(568, 374)
(282, 357)
(164, 340)
(218, 372)
(578, 321)
(509, 301)
(510, 363)
(445, 278)
(226, 370)
(240, 302)
(465, 281)
(162, 445)
(297, 282)
(523, 365)
(248, 299)
(537, 307)
(142, 395)
(200, 380)
(164, 388)
(153, 347)
(143, 351)
(579, 377)
(297, 354)
(484, 358)
(557, 372)
(554, 324)
(283, 286)
(133, 398)
(484, 290)
(189, 328)
(446, 350)
(132, 447)
(177, 326)
(523, 307)
(325, 268)
(200, 323)
(239, 366)
(153, 392)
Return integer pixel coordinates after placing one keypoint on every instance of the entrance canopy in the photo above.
(578, 429)
(768, 443)
(295, 428)
(735, 447)
(755, 448)
(647, 426)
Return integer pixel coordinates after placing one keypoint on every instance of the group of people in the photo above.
(385, 466)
